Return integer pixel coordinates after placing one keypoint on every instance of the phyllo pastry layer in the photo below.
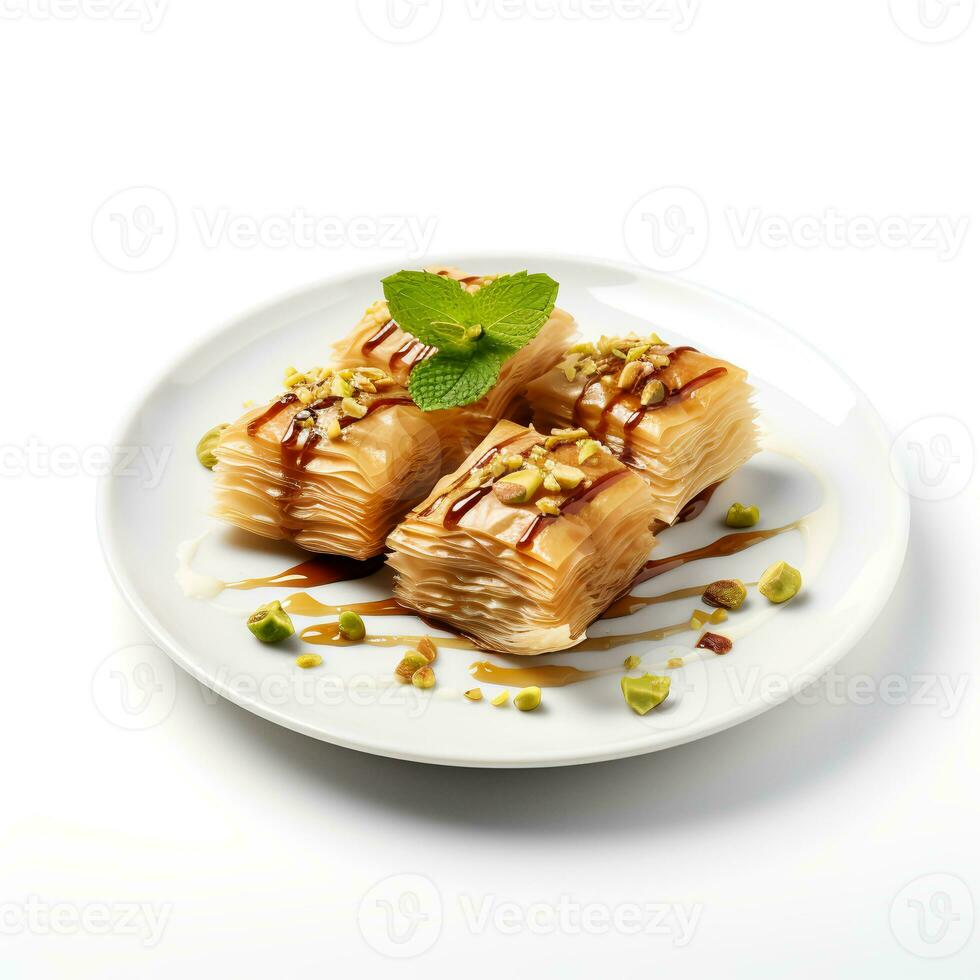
(527, 542)
(682, 419)
(337, 460)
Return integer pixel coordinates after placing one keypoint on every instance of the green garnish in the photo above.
(474, 332)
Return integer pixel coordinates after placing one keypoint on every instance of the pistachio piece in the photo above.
(497, 466)
(527, 699)
(352, 408)
(514, 463)
(588, 367)
(408, 665)
(780, 582)
(655, 340)
(567, 477)
(473, 694)
(726, 593)
(271, 623)
(587, 448)
(587, 347)
(428, 649)
(519, 487)
(631, 662)
(646, 692)
(630, 376)
(333, 429)
(635, 353)
(207, 444)
(551, 484)
(549, 506)
(308, 660)
(341, 388)
(351, 626)
(558, 436)
(653, 393)
(500, 699)
(739, 516)
(424, 678)
(296, 378)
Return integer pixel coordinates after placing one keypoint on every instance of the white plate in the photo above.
(830, 456)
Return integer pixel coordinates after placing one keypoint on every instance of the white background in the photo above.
(790, 838)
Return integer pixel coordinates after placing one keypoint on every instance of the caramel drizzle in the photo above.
(571, 506)
(321, 570)
(276, 408)
(379, 337)
(724, 547)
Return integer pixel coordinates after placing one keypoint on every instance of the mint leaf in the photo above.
(512, 309)
(474, 333)
(445, 382)
(432, 308)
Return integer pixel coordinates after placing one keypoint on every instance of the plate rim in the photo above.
(641, 745)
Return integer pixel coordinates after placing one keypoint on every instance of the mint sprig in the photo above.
(474, 333)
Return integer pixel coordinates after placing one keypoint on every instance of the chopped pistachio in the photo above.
(558, 436)
(351, 626)
(549, 506)
(587, 448)
(588, 367)
(527, 699)
(333, 429)
(780, 582)
(519, 487)
(473, 694)
(587, 347)
(296, 378)
(568, 477)
(631, 662)
(646, 692)
(726, 593)
(635, 353)
(305, 396)
(632, 373)
(500, 699)
(618, 353)
(654, 339)
(270, 623)
(424, 677)
(308, 660)
(352, 408)
(428, 649)
(497, 466)
(739, 516)
(207, 444)
(551, 484)
(514, 463)
(654, 393)
(408, 665)
(340, 387)
(658, 360)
